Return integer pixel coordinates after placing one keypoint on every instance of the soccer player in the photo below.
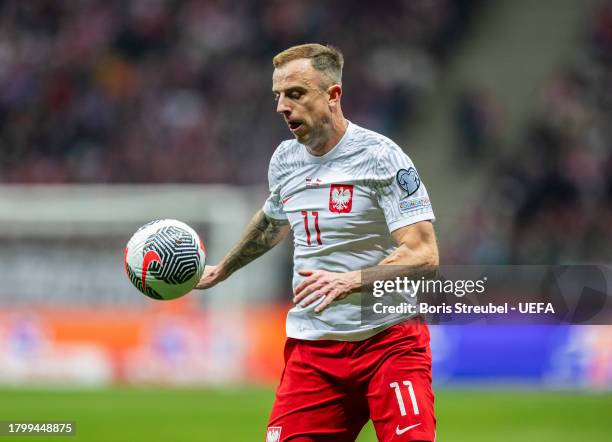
(353, 200)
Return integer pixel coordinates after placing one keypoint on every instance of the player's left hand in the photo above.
(321, 283)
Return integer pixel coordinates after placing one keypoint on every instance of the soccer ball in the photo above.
(164, 259)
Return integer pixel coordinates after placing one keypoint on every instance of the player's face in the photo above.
(303, 101)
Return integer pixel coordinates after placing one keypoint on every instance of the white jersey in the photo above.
(342, 207)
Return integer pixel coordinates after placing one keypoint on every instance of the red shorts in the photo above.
(329, 389)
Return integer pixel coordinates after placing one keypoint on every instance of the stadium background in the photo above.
(113, 113)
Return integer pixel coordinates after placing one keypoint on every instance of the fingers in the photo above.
(319, 284)
(310, 299)
(328, 299)
(209, 278)
(311, 279)
(205, 283)
(307, 290)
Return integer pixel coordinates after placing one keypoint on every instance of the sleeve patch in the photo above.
(408, 180)
(406, 206)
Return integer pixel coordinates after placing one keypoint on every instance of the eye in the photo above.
(295, 95)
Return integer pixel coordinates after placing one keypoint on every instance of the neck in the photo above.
(337, 128)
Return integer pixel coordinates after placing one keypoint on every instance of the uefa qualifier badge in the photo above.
(408, 180)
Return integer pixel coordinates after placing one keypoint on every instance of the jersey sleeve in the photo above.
(399, 190)
(273, 207)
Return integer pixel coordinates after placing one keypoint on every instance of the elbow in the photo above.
(434, 257)
(431, 263)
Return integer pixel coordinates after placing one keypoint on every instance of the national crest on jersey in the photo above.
(341, 198)
(273, 434)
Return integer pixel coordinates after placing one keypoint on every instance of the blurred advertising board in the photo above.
(179, 343)
(172, 343)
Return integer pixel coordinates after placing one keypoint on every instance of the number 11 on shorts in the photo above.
(400, 399)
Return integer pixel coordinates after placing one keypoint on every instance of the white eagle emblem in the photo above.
(340, 198)
(273, 434)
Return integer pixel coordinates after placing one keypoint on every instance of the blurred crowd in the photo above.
(550, 200)
(179, 91)
(155, 91)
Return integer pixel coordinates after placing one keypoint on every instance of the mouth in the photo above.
(294, 126)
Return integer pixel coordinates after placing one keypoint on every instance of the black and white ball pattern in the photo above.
(165, 259)
(178, 251)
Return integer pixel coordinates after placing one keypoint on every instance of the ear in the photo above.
(334, 92)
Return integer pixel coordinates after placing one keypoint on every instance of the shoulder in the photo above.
(374, 145)
(284, 158)
(282, 151)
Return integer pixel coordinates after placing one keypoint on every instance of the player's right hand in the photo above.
(211, 277)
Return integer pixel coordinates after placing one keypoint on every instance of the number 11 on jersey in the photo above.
(315, 215)
(400, 400)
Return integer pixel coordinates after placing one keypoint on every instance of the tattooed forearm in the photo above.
(261, 234)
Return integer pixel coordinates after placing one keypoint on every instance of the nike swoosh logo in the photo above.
(399, 431)
(150, 256)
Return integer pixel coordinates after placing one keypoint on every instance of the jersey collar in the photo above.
(334, 152)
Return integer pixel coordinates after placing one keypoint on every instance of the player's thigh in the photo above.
(401, 399)
(328, 420)
(311, 405)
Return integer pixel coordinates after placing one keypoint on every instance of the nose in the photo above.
(282, 107)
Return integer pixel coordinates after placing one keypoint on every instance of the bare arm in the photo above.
(415, 256)
(261, 234)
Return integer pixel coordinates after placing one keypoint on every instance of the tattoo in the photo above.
(262, 233)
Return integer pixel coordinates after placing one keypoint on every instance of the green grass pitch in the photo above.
(240, 414)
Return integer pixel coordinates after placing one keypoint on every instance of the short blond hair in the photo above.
(326, 59)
